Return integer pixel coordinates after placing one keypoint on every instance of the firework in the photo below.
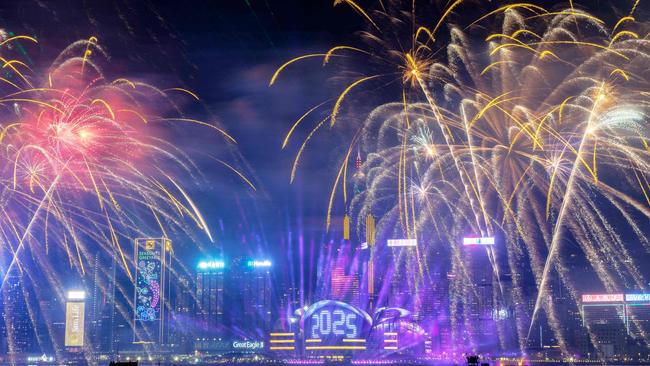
(88, 164)
(520, 122)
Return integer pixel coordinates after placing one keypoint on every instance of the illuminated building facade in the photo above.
(153, 258)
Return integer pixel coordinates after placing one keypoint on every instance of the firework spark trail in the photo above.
(29, 228)
(87, 166)
(516, 130)
(566, 200)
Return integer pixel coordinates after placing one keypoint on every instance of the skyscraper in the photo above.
(180, 333)
(604, 316)
(344, 276)
(250, 285)
(15, 316)
(101, 307)
(479, 298)
(153, 258)
(210, 296)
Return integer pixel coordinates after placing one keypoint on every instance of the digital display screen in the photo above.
(331, 322)
(402, 243)
(637, 297)
(337, 322)
(479, 241)
(149, 289)
(147, 297)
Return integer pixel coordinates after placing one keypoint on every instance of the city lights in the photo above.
(637, 297)
(211, 264)
(402, 243)
(76, 295)
(479, 241)
(259, 263)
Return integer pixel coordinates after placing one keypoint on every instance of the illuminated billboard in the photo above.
(603, 298)
(402, 243)
(255, 263)
(74, 323)
(334, 325)
(637, 297)
(207, 265)
(479, 241)
(149, 289)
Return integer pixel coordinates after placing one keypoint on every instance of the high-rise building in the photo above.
(344, 276)
(183, 305)
(605, 319)
(638, 320)
(101, 307)
(153, 261)
(210, 296)
(479, 298)
(15, 316)
(289, 303)
(250, 289)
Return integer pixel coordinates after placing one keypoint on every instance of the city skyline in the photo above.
(351, 181)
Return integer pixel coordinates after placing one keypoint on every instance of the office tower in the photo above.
(210, 296)
(639, 326)
(344, 276)
(183, 305)
(289, 303)
(15, 316)
(101, 307)
(400, 295)
(605, 319)
(637, 310)
(250, 288)
(479, 298)
(153, 258)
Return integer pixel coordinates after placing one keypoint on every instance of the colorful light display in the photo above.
(149, 289)
(334, 325)
(516, 108)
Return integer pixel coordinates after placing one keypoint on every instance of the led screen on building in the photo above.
(479, 241)
(603, 298)
(74, 324)
(637, 297)
(149, 290)
(402, 243)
